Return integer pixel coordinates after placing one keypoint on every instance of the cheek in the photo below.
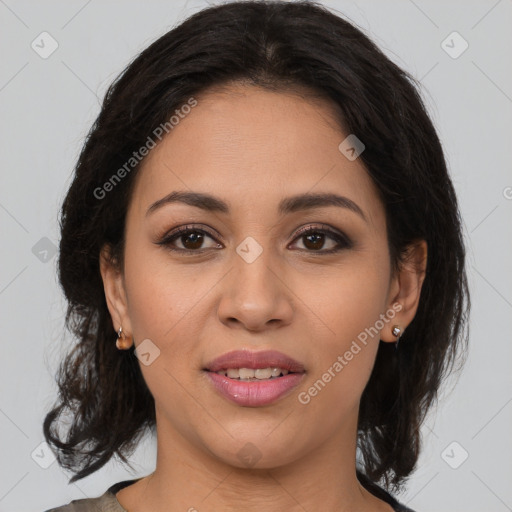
(350, 306)
(352, 298)
(168, 304)
(161, 295)
(162, 306)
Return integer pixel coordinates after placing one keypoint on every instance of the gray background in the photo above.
(48, 104)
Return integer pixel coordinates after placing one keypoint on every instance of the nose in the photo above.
(255, 296)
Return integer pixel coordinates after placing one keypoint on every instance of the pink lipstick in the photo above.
(254, 379)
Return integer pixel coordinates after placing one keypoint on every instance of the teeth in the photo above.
(250, 374)
(276, 372)
(262, 373)
(246, 373)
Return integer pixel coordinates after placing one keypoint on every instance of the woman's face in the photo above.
(245, 278)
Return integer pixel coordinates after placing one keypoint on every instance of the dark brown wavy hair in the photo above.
(278, 46)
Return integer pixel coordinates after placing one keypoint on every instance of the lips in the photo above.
(254, 392)
(255, 360)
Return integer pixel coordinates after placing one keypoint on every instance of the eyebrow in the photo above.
(291, 204)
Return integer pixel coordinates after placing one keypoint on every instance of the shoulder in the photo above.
(382, 494)
(83, 505)
(399, 507)
(105, 503)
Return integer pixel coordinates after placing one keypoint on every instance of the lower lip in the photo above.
(254, 393)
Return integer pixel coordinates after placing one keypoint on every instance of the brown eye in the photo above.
(315, 240)
(191, 240)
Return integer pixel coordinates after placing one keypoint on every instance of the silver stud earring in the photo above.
(397, 332)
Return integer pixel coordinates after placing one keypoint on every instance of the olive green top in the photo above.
(107, 502)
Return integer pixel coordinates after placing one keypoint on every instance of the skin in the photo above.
(251, 148)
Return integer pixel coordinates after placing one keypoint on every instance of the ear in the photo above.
(405, 289)
(115, 293)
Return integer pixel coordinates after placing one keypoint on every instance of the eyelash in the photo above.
(342, 240)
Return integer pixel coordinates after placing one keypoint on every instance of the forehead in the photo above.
(251, 147)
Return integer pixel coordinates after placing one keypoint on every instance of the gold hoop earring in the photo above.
(122, 343)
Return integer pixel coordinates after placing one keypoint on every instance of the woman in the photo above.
(262, 253)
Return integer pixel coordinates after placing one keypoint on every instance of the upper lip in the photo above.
(250, 359)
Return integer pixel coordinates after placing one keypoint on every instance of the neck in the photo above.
(189, 479)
